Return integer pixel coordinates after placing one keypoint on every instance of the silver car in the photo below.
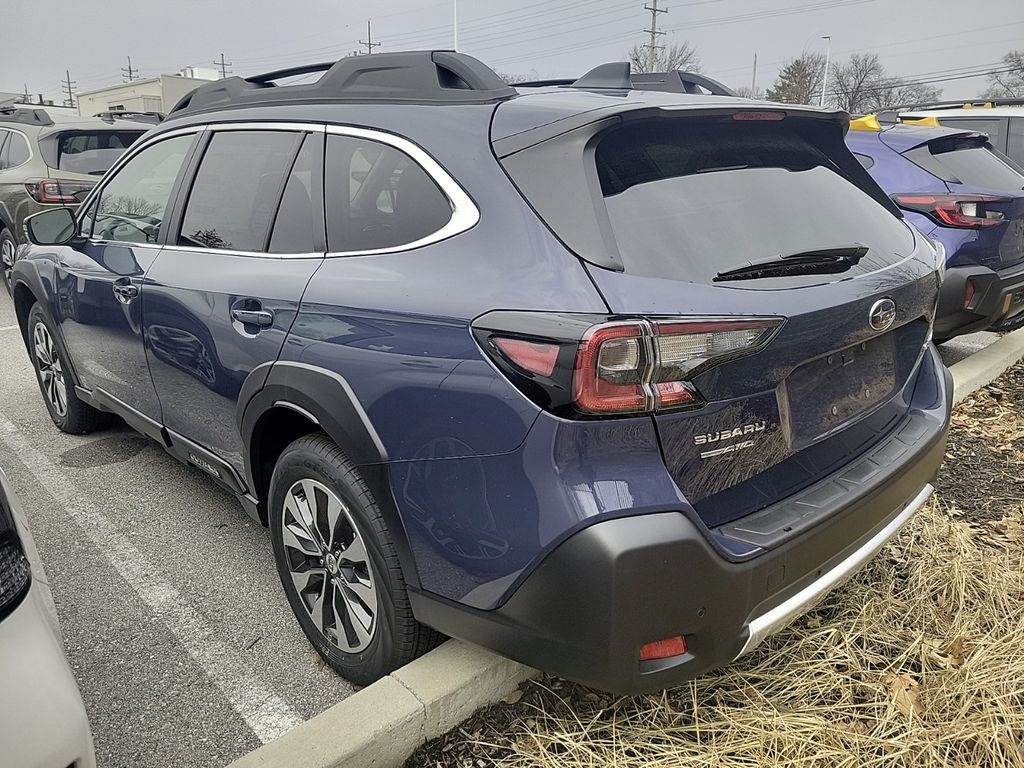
(42, 718)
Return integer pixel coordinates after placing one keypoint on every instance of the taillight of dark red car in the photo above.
(618, 366)
(963, 211)
(58, 190)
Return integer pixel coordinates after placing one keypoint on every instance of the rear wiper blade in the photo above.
(821, 261)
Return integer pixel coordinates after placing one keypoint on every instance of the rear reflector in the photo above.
(969, 294)
(663, 649)
(535, 357)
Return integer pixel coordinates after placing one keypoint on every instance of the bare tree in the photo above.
(675, 56)
(861, 85)
(747, 92)
(512, 79)
(799, 82)
(1007, 84)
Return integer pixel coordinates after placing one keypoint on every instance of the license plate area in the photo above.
(832, 389)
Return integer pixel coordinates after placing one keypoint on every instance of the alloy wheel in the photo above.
(329, 565)
(7, 259)
(51, 372)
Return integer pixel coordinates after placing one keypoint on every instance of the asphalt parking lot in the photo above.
(175, 624)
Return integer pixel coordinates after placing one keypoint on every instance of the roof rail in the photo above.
(12, 113)
(127, 114)
(610, 76)
(423, 77)
(1015, 101)
(678, 81)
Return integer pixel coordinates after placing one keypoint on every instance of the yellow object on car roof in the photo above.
(866, 123)
(931, 121)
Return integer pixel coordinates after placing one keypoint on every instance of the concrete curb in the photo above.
(381, 725)
(986, 365)
(384, 723)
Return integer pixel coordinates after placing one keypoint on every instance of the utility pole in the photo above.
(129, 73)
(68, 86)
(824, 80)
(753, 79)
(370, 45)
(652, 47)
(26, 97)
(223, 66)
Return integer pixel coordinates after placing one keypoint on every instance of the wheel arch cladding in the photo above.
(296, 399)
(24, 299)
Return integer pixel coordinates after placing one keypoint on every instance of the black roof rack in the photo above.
(618, 76)
(425, 77)
(12, 113)
(127, 114)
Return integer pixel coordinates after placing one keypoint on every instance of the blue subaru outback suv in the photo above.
(612, 381)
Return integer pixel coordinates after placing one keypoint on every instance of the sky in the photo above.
(917, 39)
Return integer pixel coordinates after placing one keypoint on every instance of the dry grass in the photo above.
(917, 662)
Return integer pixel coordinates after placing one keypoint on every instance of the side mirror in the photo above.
(54, 227)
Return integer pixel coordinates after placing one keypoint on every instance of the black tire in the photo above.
(395, 637)
(76, 417)
(7, 246)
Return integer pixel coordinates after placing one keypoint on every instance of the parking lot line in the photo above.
(8, 328)
(264, 712)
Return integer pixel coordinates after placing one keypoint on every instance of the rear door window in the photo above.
(377, 197)
(92, 152)
(970, 161)
(688, 199)
(294, 227)
(237, 189)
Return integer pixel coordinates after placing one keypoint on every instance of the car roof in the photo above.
(976, 112)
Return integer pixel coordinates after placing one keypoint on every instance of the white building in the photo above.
(152, 94)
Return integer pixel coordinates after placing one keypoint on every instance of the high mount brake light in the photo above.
(758, 116)
(58, 190)
(962, 211)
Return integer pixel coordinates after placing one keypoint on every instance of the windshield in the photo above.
(689, 200)
(92, 152)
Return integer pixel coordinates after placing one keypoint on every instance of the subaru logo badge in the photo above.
(882, 314)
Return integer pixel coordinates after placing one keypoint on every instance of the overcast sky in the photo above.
(918, 39)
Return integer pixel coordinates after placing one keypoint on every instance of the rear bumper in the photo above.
(997, 296)
(607, 590)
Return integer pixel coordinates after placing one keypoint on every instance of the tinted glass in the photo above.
(131, 207)
(378, 197)
(237, 189)
(864, 160)
(3, 148)
(92, 152)
(293, 227)
(17, 150)
(993, 126)
(1015, 141)
(688, 201)
(967, 161)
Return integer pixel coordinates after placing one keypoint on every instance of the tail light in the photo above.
(587, 366)
(58, 190)
(963, 211)
(14, 568)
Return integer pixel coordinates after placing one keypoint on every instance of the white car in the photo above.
(1001, 119)
(42, 718)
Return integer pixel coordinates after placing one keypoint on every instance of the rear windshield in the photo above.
(969, 161)
(91, 152)
(688, 199)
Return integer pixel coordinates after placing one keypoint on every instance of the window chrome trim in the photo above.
(465, 214)
(31, 149)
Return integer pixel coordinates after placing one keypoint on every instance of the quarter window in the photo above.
(237, 190)
(132, 206)
(17, 150)
(377, 197)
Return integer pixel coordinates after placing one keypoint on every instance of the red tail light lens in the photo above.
(969, 292)
(963, 211)
(633, 367)
(532, 356)
(58, 190)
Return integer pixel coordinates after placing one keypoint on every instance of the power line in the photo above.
(370, 45)
(69, 88)
(652, 47)
(128, 73)
(223, 66)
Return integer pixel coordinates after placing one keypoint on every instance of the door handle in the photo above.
(125, 292)
(259, 317)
